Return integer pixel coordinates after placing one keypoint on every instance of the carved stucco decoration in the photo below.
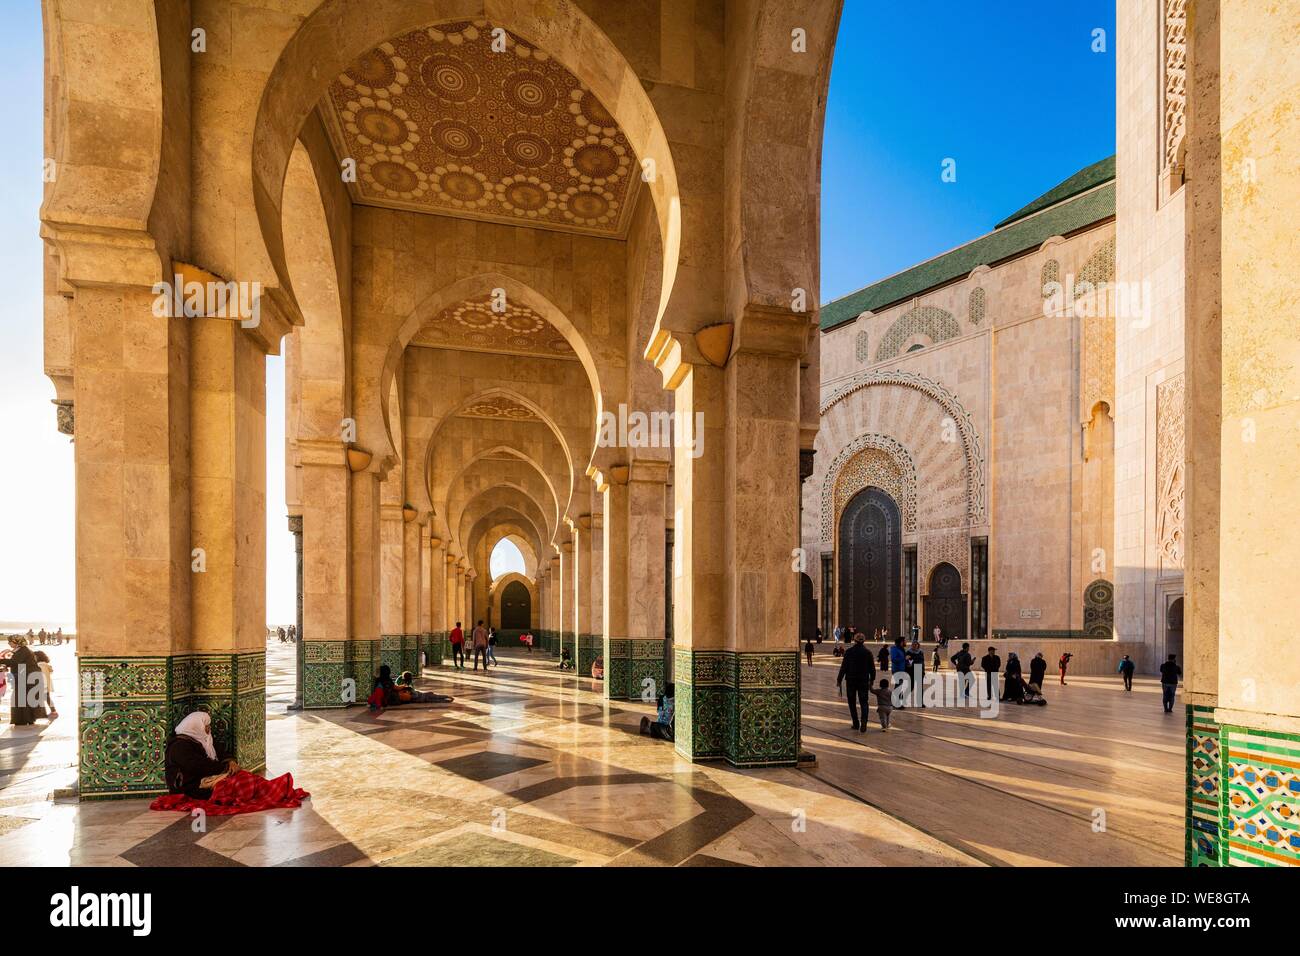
(1170, 470)
(966, 433)
(436, 120)
(868, 461)
(483, 324)
(938, 325)
(1175, 91)
(1098, 331)
(500, 407)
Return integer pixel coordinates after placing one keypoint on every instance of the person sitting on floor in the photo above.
(407, 694)
(661, 728)
(197, 779)
(566, 661)
(1033, 695)
(190, 762)
(383, 692)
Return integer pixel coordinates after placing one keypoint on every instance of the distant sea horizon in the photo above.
(69, 627)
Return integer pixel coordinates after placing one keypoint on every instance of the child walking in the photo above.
(884, 703)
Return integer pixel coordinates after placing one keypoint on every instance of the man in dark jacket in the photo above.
(963, 661)
(990, 663)
(858, 669)
(1038, 669)
(1126, 669)
(1169, 674)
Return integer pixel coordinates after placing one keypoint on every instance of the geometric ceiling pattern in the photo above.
(499, 406)
(485, 324)
(459, 120)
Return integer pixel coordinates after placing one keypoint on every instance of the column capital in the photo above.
(321, 451)
(650, 469)
(295, 524)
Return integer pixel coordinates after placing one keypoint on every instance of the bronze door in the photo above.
(871, 558)
(945, 605)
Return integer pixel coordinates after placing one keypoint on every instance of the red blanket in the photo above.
(241, 792)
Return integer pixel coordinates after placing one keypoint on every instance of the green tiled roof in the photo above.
(1087, 178)
(1075, 209)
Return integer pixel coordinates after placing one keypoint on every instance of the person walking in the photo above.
(1169, 674)
(963, 660)
(808, 650)
(492, 646)
(457, 638)
(480, 638)
(916, 670)
(884, 703)
(898, 665)
(858, 670)
(883, 657)
(990, 663)
(1126, 669)
(1038, 670)
(1064, 664)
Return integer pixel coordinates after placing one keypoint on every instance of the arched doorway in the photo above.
(870, 558)
(807, 610)
(1174, 629)
(516, 607)
(945, 605)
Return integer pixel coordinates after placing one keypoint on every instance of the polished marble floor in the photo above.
(531, 767)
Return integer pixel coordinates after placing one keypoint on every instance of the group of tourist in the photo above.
(285, 634)
(32, 677)
(483, 640)
(37, 638)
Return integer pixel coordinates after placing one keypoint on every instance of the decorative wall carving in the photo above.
(1099, 608)
(975, 491)
(935, 323)
(487, 325)
(1174, 92)
(1051, 273)
(860, 348)
(1098, 331)
(1170, 466)
(976, 306)
(868, 460)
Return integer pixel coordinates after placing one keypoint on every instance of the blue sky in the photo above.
(1009, 89)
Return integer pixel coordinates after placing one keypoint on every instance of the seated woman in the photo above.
(661, 728)
(197, 779)
(190, 764)
(383, 692)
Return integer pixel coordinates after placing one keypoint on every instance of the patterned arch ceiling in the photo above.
(439, 122)
(477, 326)
(499, 406)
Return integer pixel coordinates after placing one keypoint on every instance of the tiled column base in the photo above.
(590, 647)
(339, 673)
(129, 706)
(434, 648)
(1260, 787)
(1203, 772)
(634, 668)
(1243, 794)
(737, 705)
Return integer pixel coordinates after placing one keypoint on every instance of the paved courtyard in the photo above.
(531, 767)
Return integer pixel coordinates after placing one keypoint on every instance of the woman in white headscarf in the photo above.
(191, 764)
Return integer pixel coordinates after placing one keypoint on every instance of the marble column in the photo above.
(1243, 444)
(325, 483)
(363, 651)
(295, 529)
(414, 587)
(557, 601)
(570, 611)
(427, 575)
(634, 580)
(584, 637)
(133, 559)
(227, 670)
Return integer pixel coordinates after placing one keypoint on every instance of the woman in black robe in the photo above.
(29, 683)
(191, 765)
(1014, 687)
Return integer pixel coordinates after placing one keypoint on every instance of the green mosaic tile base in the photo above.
(129, 706)
(1202, 847)
(739, 706)
(339, 673)
(590, 647)
(634, 668)
(1259, 822)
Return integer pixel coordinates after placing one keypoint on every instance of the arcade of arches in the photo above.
(475, 228)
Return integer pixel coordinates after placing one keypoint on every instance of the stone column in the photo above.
(634, 580)
(557, 601)
(295, 529)
(462, 605)
(570, 610)
(363, 645)
(596, 586)
(584, 640)
(392, 576)
(426, 590)
(1242, 441)
(132, 531)
(326, 539)
(227, 675)
(450, 609)
(415, 583)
